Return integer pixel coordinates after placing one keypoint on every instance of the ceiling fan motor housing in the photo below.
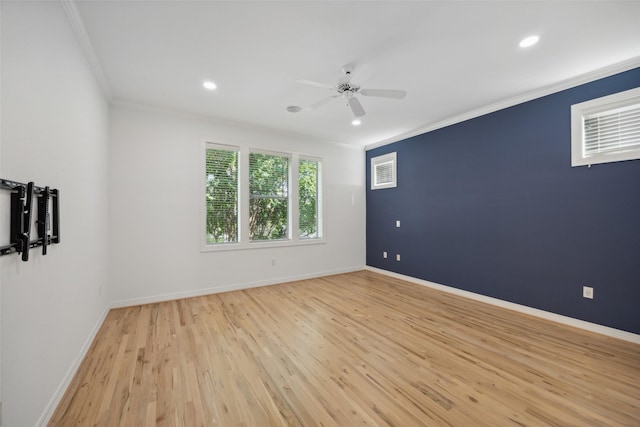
(347, 87)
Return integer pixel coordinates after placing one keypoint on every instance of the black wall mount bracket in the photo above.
(48, 223)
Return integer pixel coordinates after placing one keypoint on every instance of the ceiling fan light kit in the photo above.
(529, 41)
(348, 90)
(209, 85)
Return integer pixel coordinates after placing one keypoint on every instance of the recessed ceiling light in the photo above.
(356, 122)
(209, 85)
(529, 41)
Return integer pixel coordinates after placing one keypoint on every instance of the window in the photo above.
(258, 198)
(221, 194)
(268, 196)
(383, 171)
(309, 199)
(606, 129)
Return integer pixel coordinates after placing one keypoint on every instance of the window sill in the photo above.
(260, 245)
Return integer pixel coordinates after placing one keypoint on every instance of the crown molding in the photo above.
(70, 8)
(510, 102)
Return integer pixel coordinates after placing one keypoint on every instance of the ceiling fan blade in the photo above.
(320, 103)
(356, 107)
(384, 93)
(315, 84)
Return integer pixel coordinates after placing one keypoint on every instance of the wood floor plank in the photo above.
(358, 349)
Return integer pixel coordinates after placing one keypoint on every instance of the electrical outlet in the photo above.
(384, 254)
(587, 292)
(398, 257)
(398, 223)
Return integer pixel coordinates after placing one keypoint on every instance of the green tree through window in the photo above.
(308, 173)
(268, 197)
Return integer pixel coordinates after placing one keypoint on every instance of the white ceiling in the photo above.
(451, 57)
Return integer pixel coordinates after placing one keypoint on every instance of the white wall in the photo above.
(155, 210)
(54, 132)
(130, 208)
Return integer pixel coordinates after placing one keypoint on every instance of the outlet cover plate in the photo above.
(587, 292)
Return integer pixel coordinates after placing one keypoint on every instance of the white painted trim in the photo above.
(228, 288)
(607, 103)
(565, 320)
(77, 25)
(510, 102)
(391, 158)
(71, 372)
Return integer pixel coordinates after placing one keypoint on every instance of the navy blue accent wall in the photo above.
(492, 206)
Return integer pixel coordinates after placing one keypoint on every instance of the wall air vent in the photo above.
(384, 171)
(606, 129)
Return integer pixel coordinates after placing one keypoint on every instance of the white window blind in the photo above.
(606, 129)
(221, 194)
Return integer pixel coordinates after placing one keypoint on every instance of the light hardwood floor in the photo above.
(348, 350)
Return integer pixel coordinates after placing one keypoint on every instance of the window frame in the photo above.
(289, 195)
(243, 201)
(378, 160)
(203, 233)
(595, 106)
(319, 201)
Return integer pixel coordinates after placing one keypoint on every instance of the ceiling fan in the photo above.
(348, 90)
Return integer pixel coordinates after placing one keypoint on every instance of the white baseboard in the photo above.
(66, 380)
(570, 321)
(228, 288)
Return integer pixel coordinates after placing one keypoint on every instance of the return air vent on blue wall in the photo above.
(384, 171)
